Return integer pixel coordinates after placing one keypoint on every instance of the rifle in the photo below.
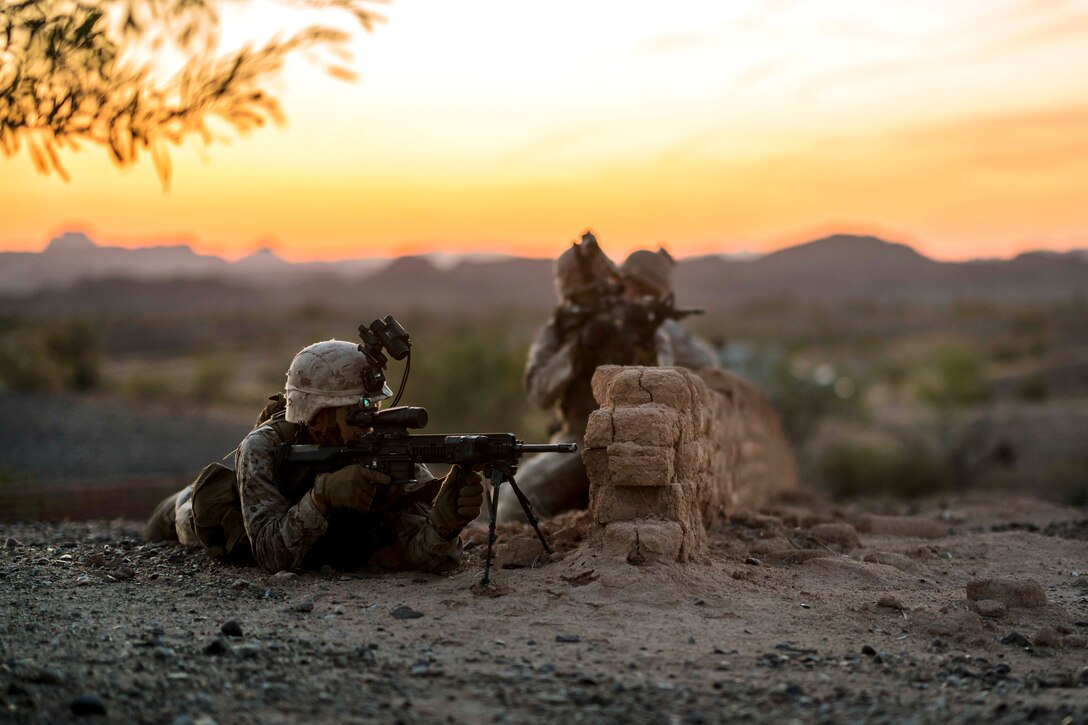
(388, 447)
(635, 319)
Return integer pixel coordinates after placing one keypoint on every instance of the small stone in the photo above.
(567, 638)
(752, 561)
(405, 612)
(868, 650)
(284, 575)
(84, 580)
(216, 647)
(243, 584)
(1047, 637)
(12, 543)
(890, 602)
(304, 606)
(87, 705)
(1074, 641)
(1016, 639)
(231, 628)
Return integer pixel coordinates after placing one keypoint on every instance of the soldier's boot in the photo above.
(160, 527)
(553, 483)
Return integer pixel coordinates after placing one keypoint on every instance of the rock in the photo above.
(1015, 639)
(519, 553)
(1074, 641)
(868, 650)
(752, 561)
(231, 628)
(12, 543)
(889, 601)
(567, 638)
(283, 575)
(304, 606)
(1024, 593)
(838, 536)
(1047, 637)
(405, 612)
(241, 584)
(87, 705)
(989, 608)
(216, 647)
(956, 624)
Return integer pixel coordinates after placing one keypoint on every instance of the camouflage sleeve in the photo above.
(423, 546)
(279, 534)
(666, 356)
(549, 367)
(689, 351)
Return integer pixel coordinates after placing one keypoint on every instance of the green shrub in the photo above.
(881, 466)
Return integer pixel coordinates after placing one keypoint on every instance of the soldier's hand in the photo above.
(351, 487)
(458, 501)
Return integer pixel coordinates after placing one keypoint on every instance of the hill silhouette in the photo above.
(74, 274)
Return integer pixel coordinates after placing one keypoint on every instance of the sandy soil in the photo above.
(803, 612)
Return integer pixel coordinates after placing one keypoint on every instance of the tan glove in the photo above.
(351, 487)
(458, 501)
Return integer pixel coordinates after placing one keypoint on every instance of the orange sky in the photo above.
(488, 126)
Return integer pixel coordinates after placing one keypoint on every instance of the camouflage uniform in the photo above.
(559, 371)
(286, 531)
(272, 509)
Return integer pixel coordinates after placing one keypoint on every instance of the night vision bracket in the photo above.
(383, 339)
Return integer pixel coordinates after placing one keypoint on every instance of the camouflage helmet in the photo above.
(650, 270)
(327, 375)
(582, 268)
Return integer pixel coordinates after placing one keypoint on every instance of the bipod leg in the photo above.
(527, 507)
(492, 510)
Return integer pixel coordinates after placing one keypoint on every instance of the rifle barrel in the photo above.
(548, 447)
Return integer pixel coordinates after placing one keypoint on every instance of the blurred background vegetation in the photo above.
(879, 399)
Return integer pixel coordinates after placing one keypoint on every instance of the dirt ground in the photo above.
(803, 612)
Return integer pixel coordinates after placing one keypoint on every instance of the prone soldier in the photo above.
(291, 517)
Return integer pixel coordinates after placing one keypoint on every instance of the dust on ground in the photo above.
(972, 609)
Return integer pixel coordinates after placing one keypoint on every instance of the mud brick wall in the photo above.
(670, 452)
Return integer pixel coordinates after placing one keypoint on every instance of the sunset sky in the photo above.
(490, 125)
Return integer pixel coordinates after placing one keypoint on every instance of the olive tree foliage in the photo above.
(92, 71)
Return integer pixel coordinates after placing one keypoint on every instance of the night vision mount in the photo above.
(383, 339)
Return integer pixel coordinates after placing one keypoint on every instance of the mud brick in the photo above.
(614, 385)
(625, 503)
(596, 462)
(692, 459)
(630, 464)
(647, 425)
(599, 429)
(643, 541)
(671, 387)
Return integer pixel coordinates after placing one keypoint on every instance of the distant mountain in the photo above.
(73, 257)
(73, 273)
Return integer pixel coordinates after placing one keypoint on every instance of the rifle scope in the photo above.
(405, 416)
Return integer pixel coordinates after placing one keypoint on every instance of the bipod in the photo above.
(497, 478)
